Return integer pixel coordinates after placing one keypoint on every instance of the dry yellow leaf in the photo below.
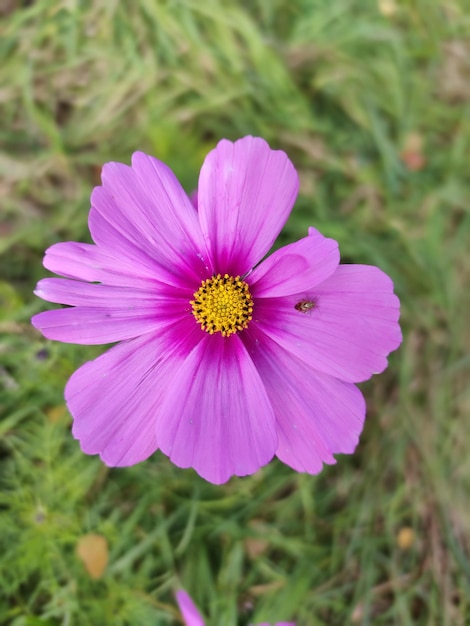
(255, 547)
(55, 414)
(92, 550)
(387, 7)
(412, 154)
(405, 537)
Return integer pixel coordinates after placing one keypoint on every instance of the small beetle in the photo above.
(305, 305)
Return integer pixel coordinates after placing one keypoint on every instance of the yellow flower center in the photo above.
(223, 304)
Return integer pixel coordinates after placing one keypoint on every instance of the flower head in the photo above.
(223, 359)
(192, 617)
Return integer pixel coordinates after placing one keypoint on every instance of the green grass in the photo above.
(342, 86)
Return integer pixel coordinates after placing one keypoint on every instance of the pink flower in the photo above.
(192, 617)
(223, 360)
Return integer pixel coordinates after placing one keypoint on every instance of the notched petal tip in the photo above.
(110, 171)
(140, 159)
(138, 155)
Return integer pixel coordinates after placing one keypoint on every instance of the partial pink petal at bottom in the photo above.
(217, 417)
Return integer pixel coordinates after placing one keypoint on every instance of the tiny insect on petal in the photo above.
(305, 305)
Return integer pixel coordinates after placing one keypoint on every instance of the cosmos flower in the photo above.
(223, 359)
(192, 617)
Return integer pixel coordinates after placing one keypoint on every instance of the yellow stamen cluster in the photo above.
(223, 304)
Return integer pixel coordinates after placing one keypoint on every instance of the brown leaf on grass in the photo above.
(8, 6)
(453, 82)
(255, 547)
(381, 597)
(96, 174)
(56, 414)
(405, 538)
(387, 7)
(261, 590)
(92, 550)
(412, 153)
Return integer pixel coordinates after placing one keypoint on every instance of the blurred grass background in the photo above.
(370, 99)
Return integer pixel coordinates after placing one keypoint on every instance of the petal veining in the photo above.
(245, 194)
(143, 210)
(317, 415)
(115, 399)
(217, 417)
(91, 326)
(88, 262)
(76, 293)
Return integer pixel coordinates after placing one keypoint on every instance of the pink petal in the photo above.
(115, 399)
(245, 194)
(349, 332)
(75, 293)
(188, 609)
(104, 313)
(93, 326)
(142, 211)
(317, 415)
(293, 268)
(141, 258)
(84, 261)
(217, 417)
